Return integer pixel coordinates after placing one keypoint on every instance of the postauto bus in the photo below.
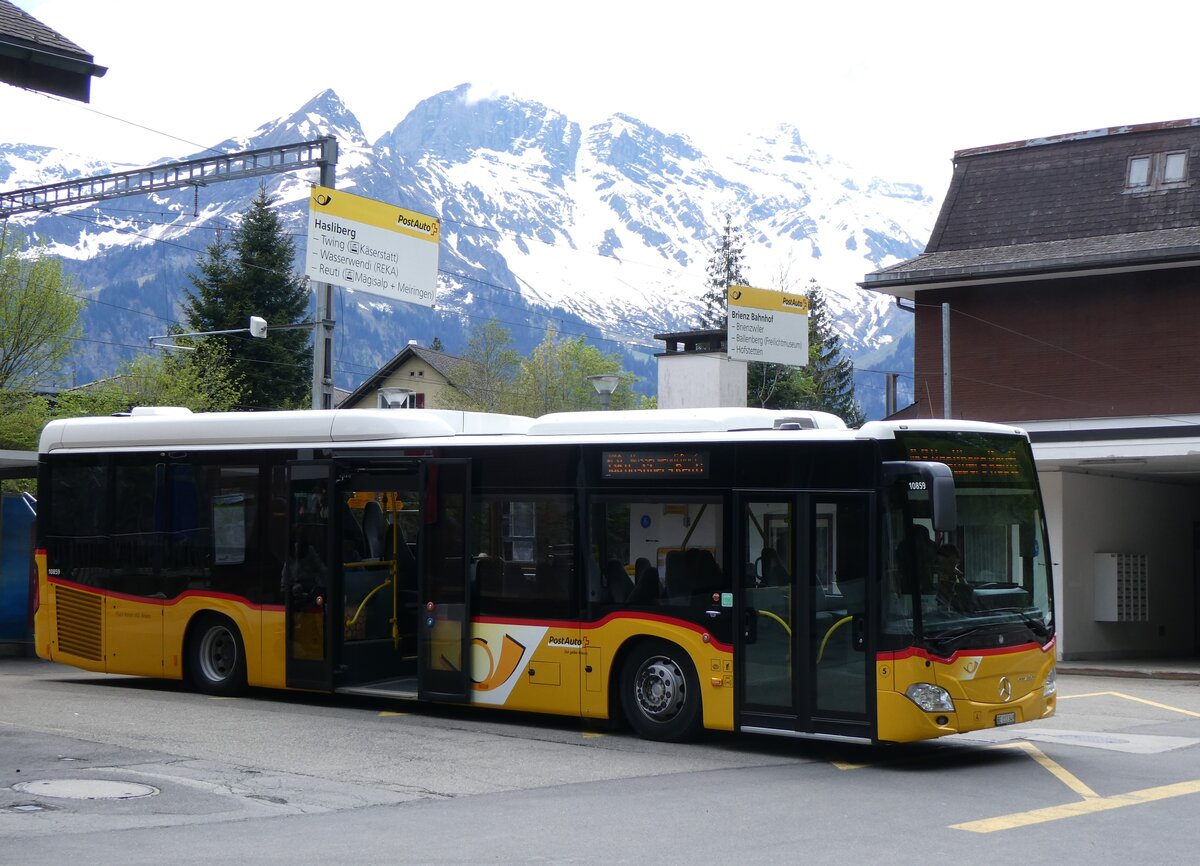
(729, 569)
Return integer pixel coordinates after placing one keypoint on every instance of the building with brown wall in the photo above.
(1061, 284)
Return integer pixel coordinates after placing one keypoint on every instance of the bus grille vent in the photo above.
(79, 623)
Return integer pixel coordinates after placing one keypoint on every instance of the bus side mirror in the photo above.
(936, 480)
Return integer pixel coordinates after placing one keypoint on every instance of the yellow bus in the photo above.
(727, 569)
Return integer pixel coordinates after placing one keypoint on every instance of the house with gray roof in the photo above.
(1060, 292)
(414, 378)
(40, 58)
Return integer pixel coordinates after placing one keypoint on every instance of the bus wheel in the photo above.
(216, 657)
(660, 692)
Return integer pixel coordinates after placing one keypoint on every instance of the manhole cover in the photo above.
(86, 789)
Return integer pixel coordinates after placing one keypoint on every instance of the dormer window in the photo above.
(1139, 172)
(1156, 171)
(1175, 167)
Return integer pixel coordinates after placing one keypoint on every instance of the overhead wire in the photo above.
(624, 341)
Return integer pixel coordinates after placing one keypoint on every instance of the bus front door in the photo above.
(443, 590)
(804, 649)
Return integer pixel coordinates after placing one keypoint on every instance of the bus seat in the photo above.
(374, 526)
(619, 584)
(406, 562)
(774, 572)
(514, 580)
(645, 588)
(489, 576)
(679, 584)
(706, 575)
(352, 535)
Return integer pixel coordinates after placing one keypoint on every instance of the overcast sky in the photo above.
(892, 88)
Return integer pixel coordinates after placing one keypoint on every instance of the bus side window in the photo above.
(524, 551)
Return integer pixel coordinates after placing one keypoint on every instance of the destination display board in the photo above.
(974, 458)
(371, 246)
(767, 326)
(654, 464)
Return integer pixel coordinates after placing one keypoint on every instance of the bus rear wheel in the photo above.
(660, 692)
(216, 657)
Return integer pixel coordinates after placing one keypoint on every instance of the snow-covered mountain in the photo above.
(604, 231)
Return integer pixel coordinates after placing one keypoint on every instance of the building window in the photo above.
(1156, 171)
(1175, 167)
(398, 398)
(1139, 172)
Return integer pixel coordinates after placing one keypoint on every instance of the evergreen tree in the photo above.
(436, 345)
(725, 269)
(250, 274)
(828, 380)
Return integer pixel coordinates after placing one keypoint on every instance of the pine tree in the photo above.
(725, 269)
(251, 274)
(828, 381)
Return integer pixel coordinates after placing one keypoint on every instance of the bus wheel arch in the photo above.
(215, 654)
(659, 691)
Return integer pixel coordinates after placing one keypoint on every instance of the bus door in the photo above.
(803, 653)
(443, 591)
(310, 574)
(380, 504)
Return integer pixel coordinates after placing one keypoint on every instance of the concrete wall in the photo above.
(692, 380)
(1098, 514)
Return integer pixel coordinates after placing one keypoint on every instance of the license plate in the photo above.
(1006, 719)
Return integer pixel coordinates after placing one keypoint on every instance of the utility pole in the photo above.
(946, 361)
(322, 381)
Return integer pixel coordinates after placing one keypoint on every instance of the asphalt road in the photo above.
(278, 778)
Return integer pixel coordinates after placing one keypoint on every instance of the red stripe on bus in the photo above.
(917, 652)
(588, 626)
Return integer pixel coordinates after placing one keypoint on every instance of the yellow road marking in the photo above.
(589, 735)
(383, 713)
(843, 765)
(1056, 769)
(1084, 807)
(1132, 698)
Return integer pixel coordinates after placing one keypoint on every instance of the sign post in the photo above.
(767, 326)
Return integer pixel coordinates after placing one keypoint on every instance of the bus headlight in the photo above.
(930, 698)
(1051, 686)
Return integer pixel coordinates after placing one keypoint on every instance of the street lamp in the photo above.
(257, 328)
(605, 384)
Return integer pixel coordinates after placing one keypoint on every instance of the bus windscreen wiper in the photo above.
(1036, 624)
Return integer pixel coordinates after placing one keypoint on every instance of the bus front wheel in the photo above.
(216, 657)
(660, 692)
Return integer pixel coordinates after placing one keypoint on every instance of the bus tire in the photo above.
(660, 692)
(216, 656)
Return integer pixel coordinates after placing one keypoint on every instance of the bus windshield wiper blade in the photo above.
(1035, 623)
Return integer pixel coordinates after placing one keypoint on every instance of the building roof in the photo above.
(37, 57)
(442, 362)
(1059, 206)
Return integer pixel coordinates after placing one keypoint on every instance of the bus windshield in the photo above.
(987, 583)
